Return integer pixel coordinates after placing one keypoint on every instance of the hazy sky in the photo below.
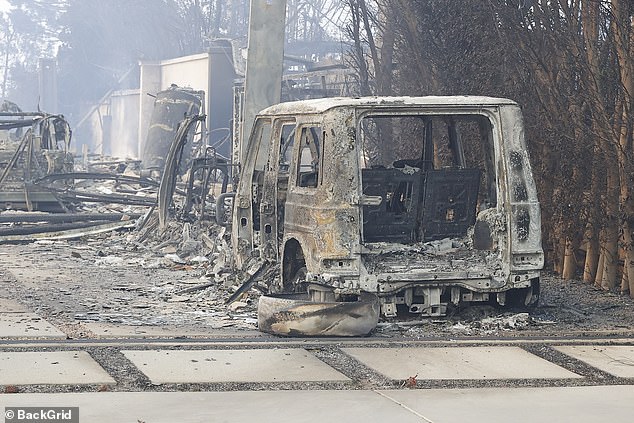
(4, 5)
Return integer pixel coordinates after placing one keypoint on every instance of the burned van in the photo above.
(422, 202)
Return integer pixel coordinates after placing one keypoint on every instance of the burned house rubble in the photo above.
(114, 215)
(100, 194)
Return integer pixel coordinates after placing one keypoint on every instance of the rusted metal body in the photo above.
(422, 201)
(170, 108)
(208, 174)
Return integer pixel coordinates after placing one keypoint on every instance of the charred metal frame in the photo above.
(172, 166)
(202, 169)
(209, 167)
(67, 193)
(42, 150)
(316, 233)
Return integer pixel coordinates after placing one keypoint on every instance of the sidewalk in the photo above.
(267, 367)
(501, 405)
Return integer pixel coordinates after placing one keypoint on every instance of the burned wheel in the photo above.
(300, 315)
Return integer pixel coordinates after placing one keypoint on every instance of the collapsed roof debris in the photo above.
(119, 191)
(59, 226)
(80, 194)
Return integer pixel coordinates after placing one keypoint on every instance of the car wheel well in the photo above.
(293, 262)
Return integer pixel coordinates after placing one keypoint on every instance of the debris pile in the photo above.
(444, 255)
(497, 324)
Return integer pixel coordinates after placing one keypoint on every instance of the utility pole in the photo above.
(265, 60)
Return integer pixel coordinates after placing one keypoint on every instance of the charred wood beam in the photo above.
(67, 234)
(249, 281)
(7, 125)
(84, 196)
(38, 229)
(64, 217)
(13, 160)
(126, 179)
(89, 197)
(22, 114)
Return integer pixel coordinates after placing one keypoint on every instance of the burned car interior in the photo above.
(422, 185)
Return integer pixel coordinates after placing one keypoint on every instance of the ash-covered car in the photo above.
(422, 201)
(32, 145)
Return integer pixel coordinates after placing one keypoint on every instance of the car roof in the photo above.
(320, 105)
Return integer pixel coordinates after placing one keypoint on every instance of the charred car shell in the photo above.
(422, 201)
(32, 145)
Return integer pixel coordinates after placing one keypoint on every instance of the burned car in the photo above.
(424, 202)
(32, 145)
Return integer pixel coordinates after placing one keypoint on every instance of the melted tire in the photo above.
(297, 315)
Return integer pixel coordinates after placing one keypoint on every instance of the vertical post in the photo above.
(221, 77)
(150, 84)
(48, 85)
(84, 156)
(265, 60)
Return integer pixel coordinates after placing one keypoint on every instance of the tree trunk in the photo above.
(374, 55)
(610, 261)
(5, 76)
(592, 230)
(625, 285)
(388, 38)
(559, 250)
(359, 55)
(597, 281)
(610, 244)
(624, 42)
(570, 259)
(628, 265)
(592, 255)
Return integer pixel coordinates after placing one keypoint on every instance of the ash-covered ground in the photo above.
(175, 280)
